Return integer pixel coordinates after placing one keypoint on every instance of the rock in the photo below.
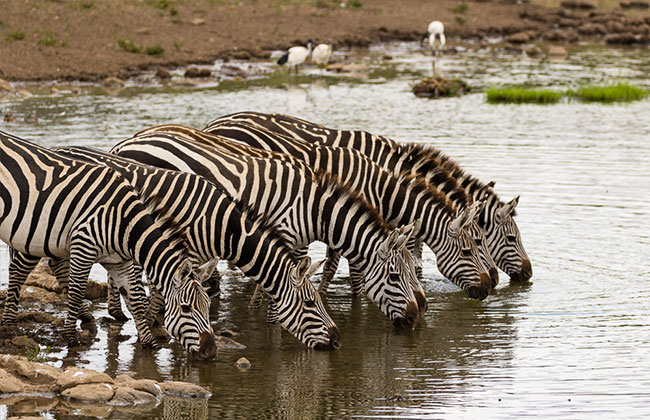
(557, 51)
(534, 51)
(89, 393)
(33, 373)
(232, 71)
(6, 86)
(243, 363)
(10, 384)
(641, 5)
(194, 72)
(614, 27)
(513, 49)
(113, 82)
(184, 389)
(185, 82)
(561, 35)
(76, 376)
(224, 343)
(23, 93)
(592, 29)
(438, 87)
(518, 38)
(54, 91)
(163, 74)
(241, 54)
(41, 279)
(23, 342)
(347, 68)
(25, 418)
(125, 395)
(143, 31)
(577, 4)
(32, 293)
(621, 39)
(197, 21)
(228, 333)
(146, 385)
(39, 318)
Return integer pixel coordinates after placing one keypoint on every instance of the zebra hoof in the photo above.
(72, 341)
(119, 317)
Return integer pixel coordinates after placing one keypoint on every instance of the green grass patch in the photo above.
(83, 4)
(461, 8)
(48, 39)
(17, 35)
(620, 92)
(129, 45)
(154, 50)
(354, 4)
(459, 20)
(519, 95)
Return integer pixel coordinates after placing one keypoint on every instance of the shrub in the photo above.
(519, 95)
(620, 92)
(17, 35)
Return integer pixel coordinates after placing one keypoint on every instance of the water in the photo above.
(572, 343)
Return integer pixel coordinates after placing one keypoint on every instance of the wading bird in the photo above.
(295, 56)
(436, 34)
(321, 54)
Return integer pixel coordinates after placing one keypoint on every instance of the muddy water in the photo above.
(572, 343)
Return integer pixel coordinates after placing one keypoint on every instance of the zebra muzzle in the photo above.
(410, 317)
(207, 346)
(525, 272)
(334, 343)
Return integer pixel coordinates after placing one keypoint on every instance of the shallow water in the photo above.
(572, 343)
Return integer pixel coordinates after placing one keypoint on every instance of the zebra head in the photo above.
(391, 277)
(504, 241)
(459, 258)
(301, 310)
(477, 233)
(187, 311)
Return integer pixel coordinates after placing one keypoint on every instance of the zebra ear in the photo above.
(205, 271)
(507, 209)
(315, 267)
(182, 273)
(491, 184)
(389, 244)
(461, 220)
(406, 233)
(301, 271)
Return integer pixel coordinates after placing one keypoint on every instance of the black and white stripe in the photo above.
(52, 206)
(217, 226)
(502, 234)
(400, 200)
(306, 206)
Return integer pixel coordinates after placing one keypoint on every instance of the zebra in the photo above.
(343, 161)
(306, 206)
(217, 226)
(52, 206)
(400, 201)
(497, 217)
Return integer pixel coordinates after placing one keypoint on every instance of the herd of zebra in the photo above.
(254, 189)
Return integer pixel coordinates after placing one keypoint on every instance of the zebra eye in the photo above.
(394, 277)
(467, 252)
(511, 238)
(477, 241)
(310, 303)
(185, 308)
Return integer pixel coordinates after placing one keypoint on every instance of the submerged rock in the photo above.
(243, 363)
(89, 393)
(184, 389)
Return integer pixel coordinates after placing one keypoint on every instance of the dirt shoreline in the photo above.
(78, 40)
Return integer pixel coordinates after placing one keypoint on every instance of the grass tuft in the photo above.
(621, 92)
(154, 50)
(17, 35)
(48, 39)
(129, 45)
(461, 8)
(518, 95)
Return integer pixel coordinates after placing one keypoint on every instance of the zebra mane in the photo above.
(430, 158)
(417, 185)
(337, 188)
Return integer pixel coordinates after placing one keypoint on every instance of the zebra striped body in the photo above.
(305, 206)
(63, 209)
(501, 232)
(217, 226)
(399, 200)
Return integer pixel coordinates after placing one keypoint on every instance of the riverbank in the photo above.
(85, 40)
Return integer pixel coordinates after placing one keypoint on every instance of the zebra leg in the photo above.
(61, 270)
(357, 281)
(256, 299)
(213, 283)
(124, 277)
(115, 303)
(81, 261)
(116, 287)
(156, 304)
(19, 268)
(331, 265)
(272, 313)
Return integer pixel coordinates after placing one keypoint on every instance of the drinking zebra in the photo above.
(217, 226)
(306, 207)
(52, 206)
(399, 200)
(502, 234)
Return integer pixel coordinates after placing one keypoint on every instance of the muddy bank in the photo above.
(89, 41)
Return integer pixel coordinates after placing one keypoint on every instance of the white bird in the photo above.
(295, 56)
(321, 54)
(436, 34)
